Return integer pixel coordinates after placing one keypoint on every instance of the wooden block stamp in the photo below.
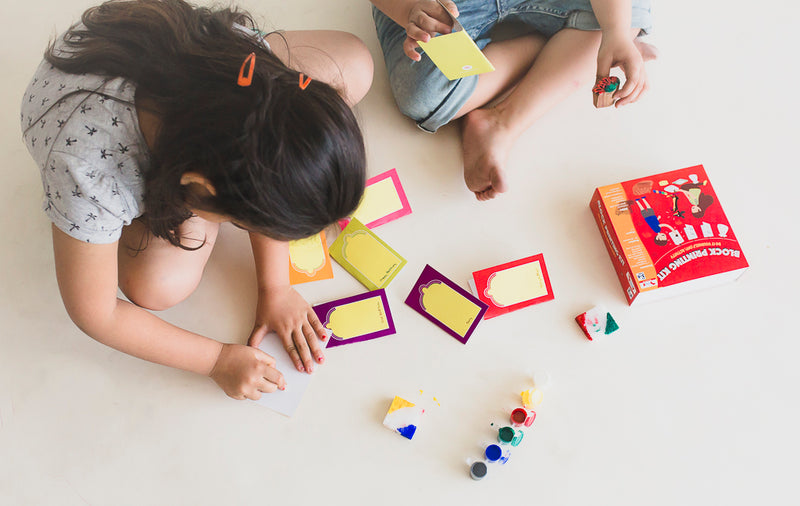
(603, 91)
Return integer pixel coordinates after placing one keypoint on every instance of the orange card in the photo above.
(309, 259)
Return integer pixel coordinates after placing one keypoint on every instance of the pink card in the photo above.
(384, 200)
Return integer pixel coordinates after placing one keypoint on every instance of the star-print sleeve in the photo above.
(86, 203)
(82, 132)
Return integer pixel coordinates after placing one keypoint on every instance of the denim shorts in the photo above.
(425, 95)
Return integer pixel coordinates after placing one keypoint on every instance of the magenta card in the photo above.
(446, 304)
(358, 318)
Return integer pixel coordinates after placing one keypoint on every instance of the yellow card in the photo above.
(455, 53)
(365, 256)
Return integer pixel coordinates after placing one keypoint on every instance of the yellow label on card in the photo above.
(307, 255)
(449, 307)
(370, 257)
(358, 318)
(308, 259)
(380, 199)
(365, 256)
(517, 284)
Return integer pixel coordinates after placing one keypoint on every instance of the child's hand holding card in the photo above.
(455, 53)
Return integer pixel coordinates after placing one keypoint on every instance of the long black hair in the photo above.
(285, 161)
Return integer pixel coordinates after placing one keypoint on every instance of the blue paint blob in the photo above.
(407, 431)
(493, 453)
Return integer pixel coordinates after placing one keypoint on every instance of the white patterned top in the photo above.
(83, 133)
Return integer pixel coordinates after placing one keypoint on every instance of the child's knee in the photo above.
(157, 295)
(413, 98)
(359, 68)
(425, 95)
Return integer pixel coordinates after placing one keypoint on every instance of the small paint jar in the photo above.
(505, 435)
(478, 470)
(497, 454)
(493, 452)
(522, 416)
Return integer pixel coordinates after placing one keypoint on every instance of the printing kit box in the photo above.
(666, 234)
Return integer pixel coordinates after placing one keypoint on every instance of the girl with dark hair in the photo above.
(152, 122)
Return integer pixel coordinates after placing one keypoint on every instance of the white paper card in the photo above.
(286, 401)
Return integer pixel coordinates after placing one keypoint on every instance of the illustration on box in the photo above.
(666, 229)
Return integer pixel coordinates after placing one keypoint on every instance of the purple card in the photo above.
(446, 304)
(357, 318)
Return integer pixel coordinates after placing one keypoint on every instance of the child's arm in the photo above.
(88, 280)
(421, 19)
(281, 309)
(618, 50)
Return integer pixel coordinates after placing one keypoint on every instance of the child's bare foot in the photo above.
(485, 144)
(648, 51)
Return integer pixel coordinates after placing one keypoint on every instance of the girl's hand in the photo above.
(425, 18)
(284, 311)
(244, 372)
(617, 49)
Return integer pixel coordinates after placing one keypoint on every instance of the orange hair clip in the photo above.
(304, 84)
(246, 80)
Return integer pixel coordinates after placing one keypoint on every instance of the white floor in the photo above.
(692, 402)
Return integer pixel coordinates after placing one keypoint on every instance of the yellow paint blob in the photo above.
(517, 284)
(449, 307)
(358, 318)
(532, 398)
(399, 403)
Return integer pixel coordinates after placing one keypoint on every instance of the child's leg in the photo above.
(512, 59)
(565, 63)
(337, 58)
(162, 275)
(420, 89)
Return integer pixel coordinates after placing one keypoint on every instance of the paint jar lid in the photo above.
(493, 453)
(478, 470)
